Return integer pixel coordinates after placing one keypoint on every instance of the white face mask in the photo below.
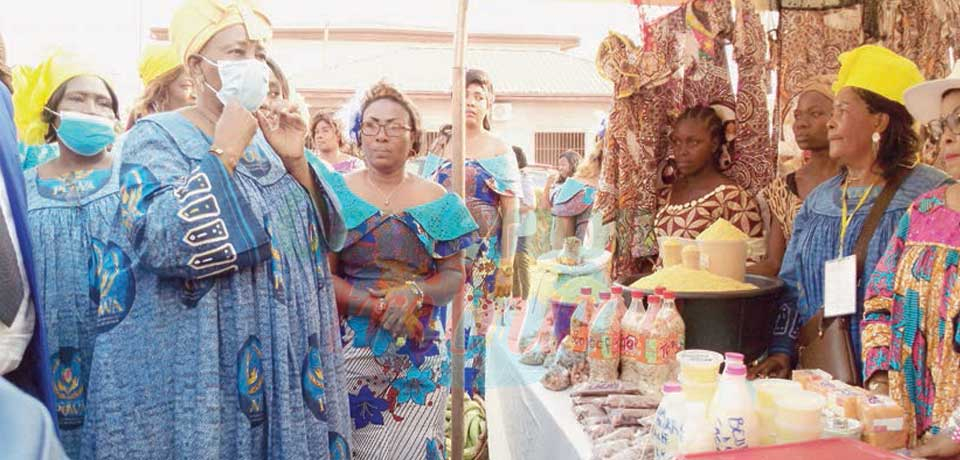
(247, 81)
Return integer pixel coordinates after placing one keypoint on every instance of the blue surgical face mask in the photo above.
(84, 134)
(247, 81)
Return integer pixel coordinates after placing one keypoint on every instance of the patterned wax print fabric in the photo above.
(485, 180)
(782, 203)
(573, 199)
(911, 314)
(730, 202)
(650, 91)
(816, 240)
(398, 388)
(217, 330)
(70, 217)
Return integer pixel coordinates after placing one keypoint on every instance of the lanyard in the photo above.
(844, 219)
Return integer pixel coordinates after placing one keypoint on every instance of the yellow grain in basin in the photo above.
(682, 279)
(722, 230)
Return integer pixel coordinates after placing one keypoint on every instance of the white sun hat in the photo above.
(923, 100)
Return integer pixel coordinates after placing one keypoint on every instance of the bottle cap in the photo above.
(604, 295)
(669, 295)
(736, 369)
(586, 291)
(733, 357)
(659, 290)
(672, 387)
(654, 299)
(636, 294)
(616, 289)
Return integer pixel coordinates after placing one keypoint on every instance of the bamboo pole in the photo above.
(458, 91)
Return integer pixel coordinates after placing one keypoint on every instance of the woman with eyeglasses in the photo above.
(218, 333)
(402, 261)
(493, 187)
(872, 138)
(72, 200)
(911, 340)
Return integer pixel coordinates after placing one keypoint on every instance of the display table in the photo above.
(525, 420)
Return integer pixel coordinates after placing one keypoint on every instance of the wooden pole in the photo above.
(458, 91)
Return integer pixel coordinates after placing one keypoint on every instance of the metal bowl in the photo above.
(740, 321)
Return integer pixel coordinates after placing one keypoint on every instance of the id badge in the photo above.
(840, 287)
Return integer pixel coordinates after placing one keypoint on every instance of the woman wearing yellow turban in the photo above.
(872, 139)
(218, 335)
(166, 85)
(71, 203)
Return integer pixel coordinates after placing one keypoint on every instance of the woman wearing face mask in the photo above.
(872, 138)
(166, 85)
(402, 260)
(72, 200)
(785, 195)
(701, 193)
(493, 185)
(217, 326)
(328, 144)
(911, 349)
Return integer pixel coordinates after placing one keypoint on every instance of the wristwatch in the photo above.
(216, 151)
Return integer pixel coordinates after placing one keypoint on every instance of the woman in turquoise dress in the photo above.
(402, 260)
(71, 203)
(492, 184)
(218, 335)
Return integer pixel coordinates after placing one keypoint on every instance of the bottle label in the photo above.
(631, 347)
(729, 433)
(605, 346)
(667, 432)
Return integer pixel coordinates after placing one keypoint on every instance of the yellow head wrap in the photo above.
(196, 21)
(156, 60)
(33, 86)
(877, 69)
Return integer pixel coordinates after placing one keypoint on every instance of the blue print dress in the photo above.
(574, 199)
(69, 217)
(218, 334)
(398, 388)
(485, 182)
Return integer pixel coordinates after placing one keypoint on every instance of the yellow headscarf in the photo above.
(33, 86)
(157, 59)
(196, 21)
(875, 68)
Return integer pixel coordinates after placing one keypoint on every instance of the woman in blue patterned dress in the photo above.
(72, 200)
(402, 259)
(218, 335)
(492, 185)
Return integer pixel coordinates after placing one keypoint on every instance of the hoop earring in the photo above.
(724, 161)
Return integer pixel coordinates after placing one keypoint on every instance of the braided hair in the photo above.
(714, 124)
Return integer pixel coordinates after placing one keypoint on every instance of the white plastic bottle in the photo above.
(668, 424)
(697, 430)
(732, 412)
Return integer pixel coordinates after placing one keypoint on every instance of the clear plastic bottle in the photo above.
(580, 321)
(603, 347)
(697, 430)
(616, 294)
(631, 340)
(667, 334)
(668, 422)
(732, 411)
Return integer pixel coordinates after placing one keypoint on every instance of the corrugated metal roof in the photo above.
(420, 68)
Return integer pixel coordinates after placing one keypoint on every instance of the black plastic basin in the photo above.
(740, 321)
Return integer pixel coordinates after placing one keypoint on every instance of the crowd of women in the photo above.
(229, 280)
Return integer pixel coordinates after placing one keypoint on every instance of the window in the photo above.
(549, 145)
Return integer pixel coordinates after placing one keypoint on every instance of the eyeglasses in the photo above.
(939, 126)
(370, 128)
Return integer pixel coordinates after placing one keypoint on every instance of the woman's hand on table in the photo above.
(940, 446)
(400, 317)
(776, 366)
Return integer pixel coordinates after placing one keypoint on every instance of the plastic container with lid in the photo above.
(668, 424)
(799, 416)
(733, 357)
(767, 392)
(699, 366)
(842, 427)
(698, 392)
(732, 411)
